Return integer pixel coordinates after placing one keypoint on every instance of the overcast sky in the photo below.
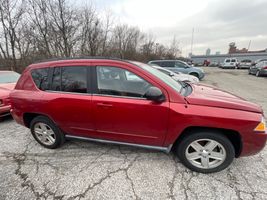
(216, 23)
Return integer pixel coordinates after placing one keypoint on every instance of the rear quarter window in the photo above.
(70, 79)
(40, 78)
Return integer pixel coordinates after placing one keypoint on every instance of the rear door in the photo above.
(122, 113)
(69, 102)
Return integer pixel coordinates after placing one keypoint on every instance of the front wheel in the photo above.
(206, 152)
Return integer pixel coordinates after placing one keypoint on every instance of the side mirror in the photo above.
(154, 94)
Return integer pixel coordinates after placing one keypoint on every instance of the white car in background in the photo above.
(230, 63)
(178, 76)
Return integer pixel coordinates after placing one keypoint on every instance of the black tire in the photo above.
(216, 136)
(258, 74)
(194, 74)
(58, 134)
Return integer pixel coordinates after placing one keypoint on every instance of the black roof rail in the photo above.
(78, 58)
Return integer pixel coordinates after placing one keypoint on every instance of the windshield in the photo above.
(167, 79)
(9, 77)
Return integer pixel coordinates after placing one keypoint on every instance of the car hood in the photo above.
(210, 96)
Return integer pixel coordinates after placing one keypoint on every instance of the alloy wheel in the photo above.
(205, 153)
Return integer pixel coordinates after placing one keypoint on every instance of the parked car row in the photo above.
(258, 67)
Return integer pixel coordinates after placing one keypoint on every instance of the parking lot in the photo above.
(83, 170)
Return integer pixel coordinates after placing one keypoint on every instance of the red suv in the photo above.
(131, 103)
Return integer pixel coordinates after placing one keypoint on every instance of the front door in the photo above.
(121, 112)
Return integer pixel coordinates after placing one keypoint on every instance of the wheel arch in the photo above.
(28, 117)
(233, 136)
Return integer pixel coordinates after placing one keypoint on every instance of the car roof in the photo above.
(50, 62)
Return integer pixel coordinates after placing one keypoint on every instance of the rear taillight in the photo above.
(265, 67)
(1, 102)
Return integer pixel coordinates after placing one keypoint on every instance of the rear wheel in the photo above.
(258, 74)
(206, 152)
(46, 133)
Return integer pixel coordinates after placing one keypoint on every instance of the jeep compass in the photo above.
(130, 103)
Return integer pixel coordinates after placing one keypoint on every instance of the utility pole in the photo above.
(192, 41)
(249, 44)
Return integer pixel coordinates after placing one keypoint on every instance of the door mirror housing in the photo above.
(154, 94)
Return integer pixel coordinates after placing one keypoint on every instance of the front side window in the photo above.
(120, 82)
(69, 79)
(180, 65)
(40, 78)
(227, 61)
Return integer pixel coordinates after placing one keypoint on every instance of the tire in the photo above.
(224, 149)
(51, 136)
(194, 74)
(258, 74)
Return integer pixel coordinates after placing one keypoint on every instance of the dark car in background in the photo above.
(180, 66)
(8, 81)
(260, 69)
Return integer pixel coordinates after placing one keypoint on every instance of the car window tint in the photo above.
(227, 61)
(70, 79)
(56, 80)
(120, 82)
(168, 64)
(40, 78)
(179, 65)
(233, 60)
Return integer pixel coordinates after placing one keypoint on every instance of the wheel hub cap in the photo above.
(44, 133)
(205, 153)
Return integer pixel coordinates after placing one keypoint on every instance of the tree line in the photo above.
(32, 30)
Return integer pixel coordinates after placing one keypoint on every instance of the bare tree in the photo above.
(64, 25)
(126, 40)
(11, 12)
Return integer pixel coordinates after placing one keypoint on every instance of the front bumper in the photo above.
(254, 144)
(5, 110)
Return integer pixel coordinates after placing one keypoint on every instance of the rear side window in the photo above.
(40, 78)
(70, 79)
(168, 64)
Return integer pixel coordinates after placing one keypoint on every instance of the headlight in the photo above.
(261, 126)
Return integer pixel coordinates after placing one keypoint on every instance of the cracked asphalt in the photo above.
(87, 170)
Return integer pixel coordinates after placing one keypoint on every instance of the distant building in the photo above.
(208, 52)
(221, 57)
(240, 54)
